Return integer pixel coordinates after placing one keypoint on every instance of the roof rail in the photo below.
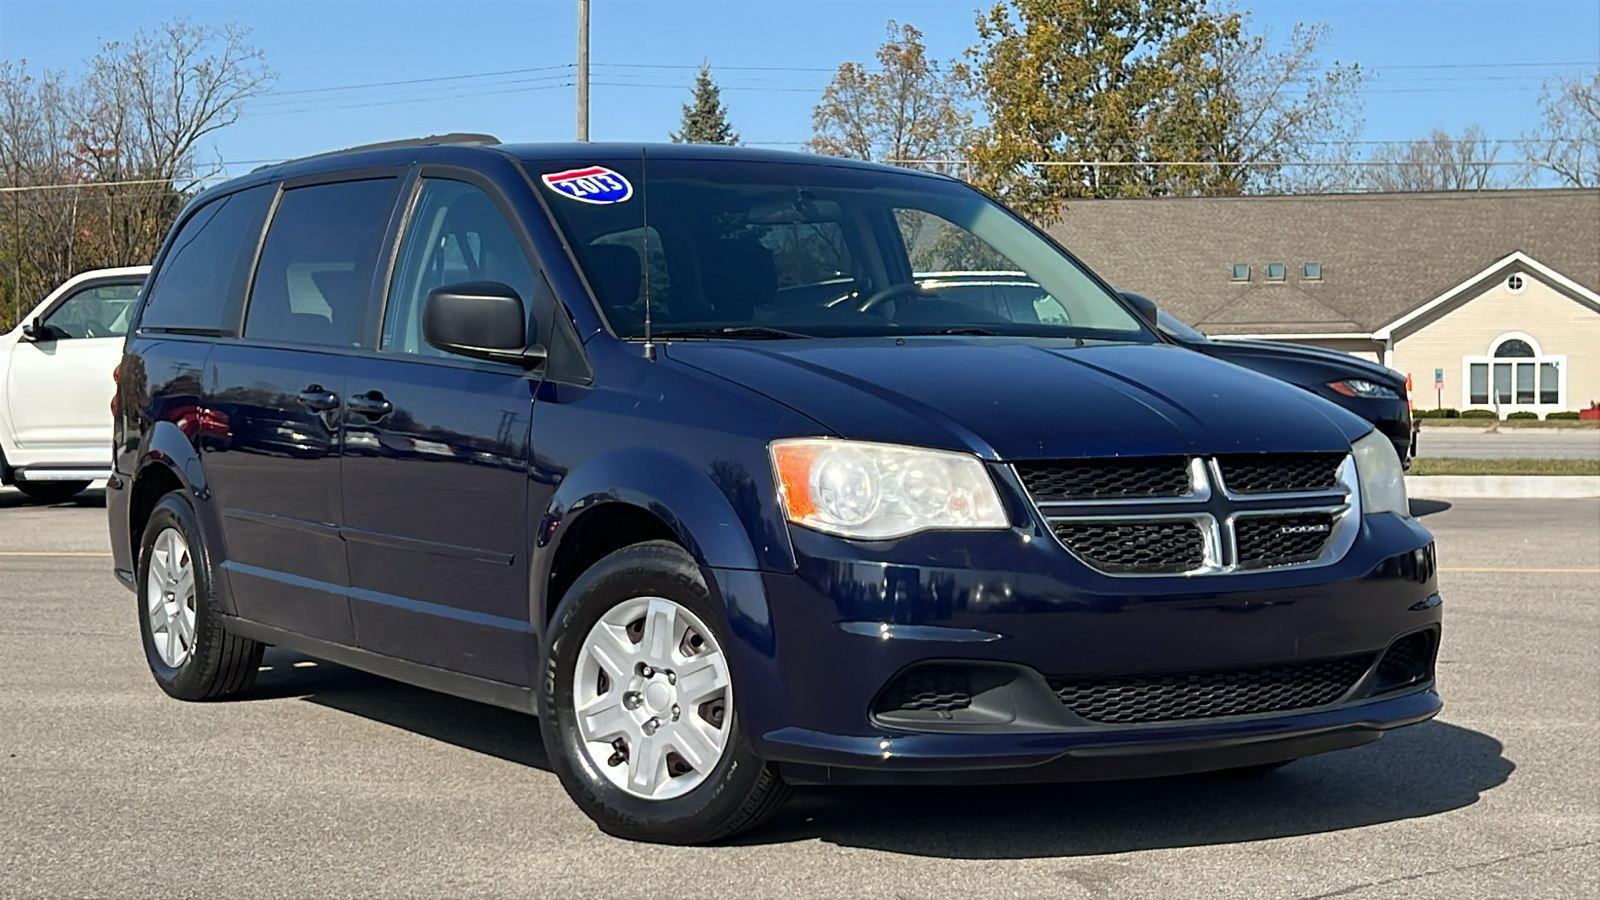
(429, 141)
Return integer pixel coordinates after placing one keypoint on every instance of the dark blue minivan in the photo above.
(670, 446)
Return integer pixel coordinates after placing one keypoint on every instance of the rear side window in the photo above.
(203, 276)
(316, 263)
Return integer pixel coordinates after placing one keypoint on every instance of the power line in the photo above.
(405, 100)
(1103, 163)
(723, 87)
(567, 67)
(450, 90)
(373, 84)
(99, 184)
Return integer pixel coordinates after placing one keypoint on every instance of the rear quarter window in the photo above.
(200, 285)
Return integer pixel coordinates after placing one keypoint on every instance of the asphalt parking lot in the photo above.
(1528, 443)
(325, 782)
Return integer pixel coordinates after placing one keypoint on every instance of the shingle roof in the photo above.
(1382, 255)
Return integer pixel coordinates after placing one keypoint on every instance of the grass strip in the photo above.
(1445, 465)
(1513, 424)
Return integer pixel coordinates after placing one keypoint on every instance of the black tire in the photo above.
(52, 491)
(220, 664)
(739, 793)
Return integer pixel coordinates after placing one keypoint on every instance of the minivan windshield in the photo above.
(722, 248)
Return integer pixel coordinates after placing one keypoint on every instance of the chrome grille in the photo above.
(1105, 479)
(1150, 547)
(1199, 695)
(1169, 515)
(1280, 473)
(1280, 540)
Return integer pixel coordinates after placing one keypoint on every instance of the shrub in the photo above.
(1452, 413)
(1569, 416)
(1477, 414)
(1523, 414)
(1435, 414)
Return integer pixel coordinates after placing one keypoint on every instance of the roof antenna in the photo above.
(644, 246)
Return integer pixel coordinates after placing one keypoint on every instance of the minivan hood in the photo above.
(1343, 364)
(1023, 398)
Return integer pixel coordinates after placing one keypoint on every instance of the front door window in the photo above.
(94, 312)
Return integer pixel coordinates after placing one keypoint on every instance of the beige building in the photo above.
(1486, 299)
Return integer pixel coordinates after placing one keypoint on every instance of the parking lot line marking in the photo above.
(94, 554)
(1536, 571)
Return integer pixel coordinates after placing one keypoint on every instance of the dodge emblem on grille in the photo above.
(1302, 529)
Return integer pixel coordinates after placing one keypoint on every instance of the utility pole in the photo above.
(583, 70)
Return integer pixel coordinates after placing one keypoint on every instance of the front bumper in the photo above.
(814, 651)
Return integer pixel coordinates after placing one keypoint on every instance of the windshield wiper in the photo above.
(962, 329)
(757, 332)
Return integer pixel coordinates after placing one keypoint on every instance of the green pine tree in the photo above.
(705, 121)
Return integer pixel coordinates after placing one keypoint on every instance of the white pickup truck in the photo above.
(56, 384)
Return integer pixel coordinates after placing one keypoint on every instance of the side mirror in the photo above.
(480, 320)
(1144, 306)
(32, 330)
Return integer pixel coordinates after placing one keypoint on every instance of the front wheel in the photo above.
(637, 708)
(52, 491)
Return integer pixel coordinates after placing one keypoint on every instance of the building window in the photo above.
(1514, 283)
(1241, 271)
(1311, 271)
(1480, 384)
(1513, 348)
(1549, 383)
(1514, 375)
(1274, 271)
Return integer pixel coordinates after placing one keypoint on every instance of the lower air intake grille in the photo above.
(1201, 695)
(1407, 662)
(1282, 540)
(1154, 547)
(1280, 473)
(938, 690)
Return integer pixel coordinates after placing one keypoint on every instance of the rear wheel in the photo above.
(191, 653)
(52, 491)
(637, 707)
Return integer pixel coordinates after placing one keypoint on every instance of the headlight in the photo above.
(871, 491)
(1383, 481)
(1360, 387)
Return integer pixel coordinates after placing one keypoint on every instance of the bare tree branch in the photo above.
(909, 111)
(139, 112)
(1440, 163)
(1567, 145)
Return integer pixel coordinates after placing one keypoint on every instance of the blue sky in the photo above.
(1434, 63)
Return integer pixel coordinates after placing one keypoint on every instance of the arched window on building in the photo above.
(1515, 374)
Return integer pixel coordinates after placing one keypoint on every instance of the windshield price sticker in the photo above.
(595, 184)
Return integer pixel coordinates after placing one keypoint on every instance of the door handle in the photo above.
(318, 398)
(371, 404)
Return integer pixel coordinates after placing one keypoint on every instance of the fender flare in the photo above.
(168, 447)
(669, 487)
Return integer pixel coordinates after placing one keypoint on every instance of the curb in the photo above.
(1542, 487)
